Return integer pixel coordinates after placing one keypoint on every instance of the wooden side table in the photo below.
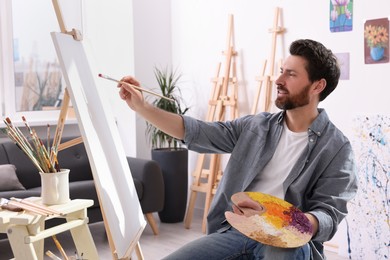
(26, 231)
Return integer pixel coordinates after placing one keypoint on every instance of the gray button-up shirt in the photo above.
(322, 181)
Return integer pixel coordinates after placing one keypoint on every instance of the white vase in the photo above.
(55, 187)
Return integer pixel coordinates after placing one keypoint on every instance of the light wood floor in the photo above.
(171, 237)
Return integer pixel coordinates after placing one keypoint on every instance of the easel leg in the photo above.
(61, 119)
(196, 183)
(190, 210)
(138, 252)
(210, 183)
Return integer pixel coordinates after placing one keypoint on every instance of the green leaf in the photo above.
(167, 80)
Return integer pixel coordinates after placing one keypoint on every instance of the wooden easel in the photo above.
(59, 130)
(270, 78)
(206, 179)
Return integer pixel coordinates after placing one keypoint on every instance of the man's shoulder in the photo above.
(261, 119)
(267, 116)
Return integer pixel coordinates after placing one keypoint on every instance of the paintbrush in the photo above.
(36, 151)
(52, 255)
(59, 247)
(48, 137)
(36, 205)
(41, 150)
(20, 134)
(15, 204)
(16, 135)
(133, 86)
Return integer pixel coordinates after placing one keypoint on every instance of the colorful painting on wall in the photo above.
(376, 41)
(369, 212)
(340, 15)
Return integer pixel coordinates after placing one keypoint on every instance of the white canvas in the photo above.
(112, 176)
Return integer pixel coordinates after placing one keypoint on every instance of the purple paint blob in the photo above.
(300, 221)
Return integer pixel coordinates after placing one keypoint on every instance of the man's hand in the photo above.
(248, 207)
(133, 97)
(314, 222)
(170, 123)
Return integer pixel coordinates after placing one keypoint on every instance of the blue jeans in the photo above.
(231, 244)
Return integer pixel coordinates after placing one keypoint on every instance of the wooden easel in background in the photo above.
(59, 130)
(206, 179)
(270, 78)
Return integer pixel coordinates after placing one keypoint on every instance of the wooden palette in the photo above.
(275, 222)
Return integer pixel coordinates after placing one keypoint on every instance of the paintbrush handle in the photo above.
(52, 255)
(136, 87)
(28, 208)
(145, 90)
(44, 208)
(59, 247)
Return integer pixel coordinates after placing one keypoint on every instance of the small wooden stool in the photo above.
(26, 231)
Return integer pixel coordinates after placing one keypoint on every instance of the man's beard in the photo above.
(290, 102)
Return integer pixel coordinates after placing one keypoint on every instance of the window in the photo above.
(31, 80)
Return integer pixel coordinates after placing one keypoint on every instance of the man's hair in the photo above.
(321, 63)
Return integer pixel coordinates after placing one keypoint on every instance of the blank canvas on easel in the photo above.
(117, 195)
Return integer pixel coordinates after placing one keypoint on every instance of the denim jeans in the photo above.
(231, 244)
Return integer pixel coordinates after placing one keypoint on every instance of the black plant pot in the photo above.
(174, 166)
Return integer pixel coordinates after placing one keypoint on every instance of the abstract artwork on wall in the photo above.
(376, 41)
(369, 212)
(340, 16)
(343, 60)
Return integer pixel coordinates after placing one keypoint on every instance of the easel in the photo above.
(206, 179)
(270, 78)
(58, 134)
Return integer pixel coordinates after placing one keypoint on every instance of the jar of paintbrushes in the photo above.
(54, 180)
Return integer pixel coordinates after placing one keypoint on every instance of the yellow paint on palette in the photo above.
(276, 209)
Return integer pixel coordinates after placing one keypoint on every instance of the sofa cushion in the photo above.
(9, 179)
(76, 159)
(21, 194)
(84, 189)
(27, 173)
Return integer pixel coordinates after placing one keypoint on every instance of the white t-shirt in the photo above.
(290, 147)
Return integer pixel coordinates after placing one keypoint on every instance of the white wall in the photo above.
(199, 30)
(152, 47)
(108, 27)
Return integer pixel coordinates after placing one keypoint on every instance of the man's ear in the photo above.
(319, 86)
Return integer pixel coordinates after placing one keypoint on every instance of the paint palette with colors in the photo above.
(273, 221)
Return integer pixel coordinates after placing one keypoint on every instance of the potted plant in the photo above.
(167, 151)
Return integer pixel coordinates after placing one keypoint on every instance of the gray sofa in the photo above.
(146, 174)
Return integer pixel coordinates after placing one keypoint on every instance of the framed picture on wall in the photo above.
(32, 84)
(376, 41)
(340, 16)
(343, 59)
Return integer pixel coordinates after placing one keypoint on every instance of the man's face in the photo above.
(293, 85)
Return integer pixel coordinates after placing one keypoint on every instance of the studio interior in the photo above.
(82, 176)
